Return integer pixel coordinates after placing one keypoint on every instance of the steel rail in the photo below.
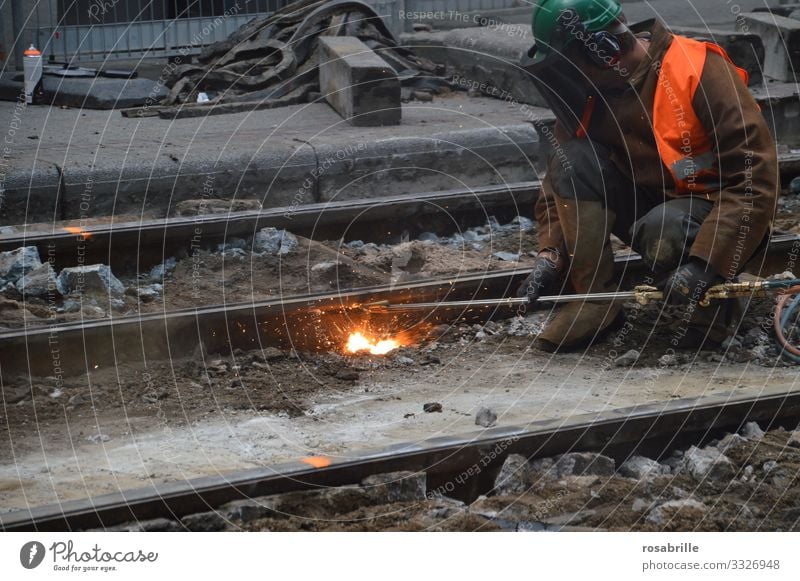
(283, 321)
(375, 219)
(651, 429)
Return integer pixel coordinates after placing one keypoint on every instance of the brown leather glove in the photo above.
(689, 282)
(544, 277)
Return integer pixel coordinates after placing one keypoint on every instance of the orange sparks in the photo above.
(358, 342)
(77, 230)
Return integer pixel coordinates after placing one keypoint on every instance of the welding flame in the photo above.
(359, 342)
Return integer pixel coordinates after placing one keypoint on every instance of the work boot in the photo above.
(706, 327)
(586, 226)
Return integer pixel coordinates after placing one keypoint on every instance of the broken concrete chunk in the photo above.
(210, 521)
(702, 463)
(525, 224)
(327, 268)
(274, 242)
(584, 464)
(156, 525)
(642, 468)
(514, 477)
(38, 282)
(507, 256)
(486, 418)
(729, 442)
(626, 359)
(752, 431)
(99, 438)
(687, 507)
(15, 263)
(95, 278)
(402, 486)
(794, 439)
(146, 294)
(158, 272)
(246, 510)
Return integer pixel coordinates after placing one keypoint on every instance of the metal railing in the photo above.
(95, 30)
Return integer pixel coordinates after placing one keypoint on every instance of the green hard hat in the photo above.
(595, 15)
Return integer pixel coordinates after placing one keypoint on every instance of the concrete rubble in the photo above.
(91, 279)
(274, 242)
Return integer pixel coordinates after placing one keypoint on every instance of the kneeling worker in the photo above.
(658, 141)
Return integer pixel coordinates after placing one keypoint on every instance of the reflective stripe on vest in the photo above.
(682, 142)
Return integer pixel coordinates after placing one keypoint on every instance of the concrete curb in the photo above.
(281, 175)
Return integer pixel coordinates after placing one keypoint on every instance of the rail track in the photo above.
(653, 430)
(142, 244)
(297, 321)
(303, 322)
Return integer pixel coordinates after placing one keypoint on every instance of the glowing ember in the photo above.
(358, 342)
(78, 231)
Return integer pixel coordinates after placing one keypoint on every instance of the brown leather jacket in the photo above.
(745, 204)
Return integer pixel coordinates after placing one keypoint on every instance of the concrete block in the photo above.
(358, 83)
(781, 38)
(746, 49)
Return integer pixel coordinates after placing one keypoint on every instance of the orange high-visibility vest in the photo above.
(683, 144)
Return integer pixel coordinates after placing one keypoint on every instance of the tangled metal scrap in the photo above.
(275, 58)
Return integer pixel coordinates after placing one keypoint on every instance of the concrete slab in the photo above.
(358, 83)
(781, 37)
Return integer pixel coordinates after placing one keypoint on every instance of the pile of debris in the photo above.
(273, 60)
